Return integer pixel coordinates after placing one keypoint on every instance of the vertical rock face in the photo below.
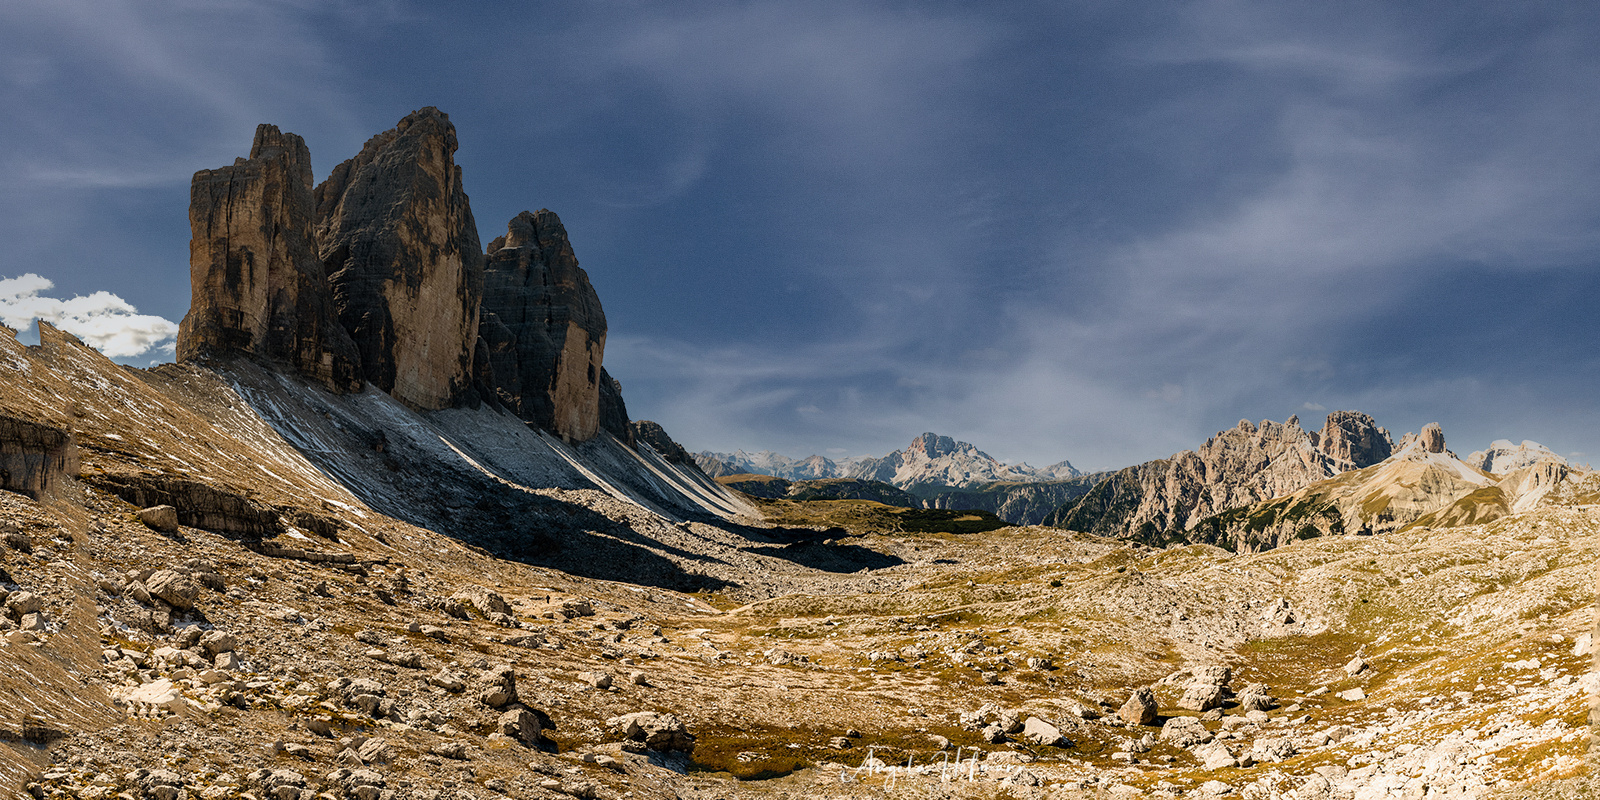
(544, 329)
(35, 459)
(1159, 502)
(258, 285)
(1353, 440)
(613, 411)
(1432, 438)
(397, 238)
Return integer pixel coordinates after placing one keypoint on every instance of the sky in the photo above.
(1099, 232)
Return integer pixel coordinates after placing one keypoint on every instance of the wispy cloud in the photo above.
(103, 320)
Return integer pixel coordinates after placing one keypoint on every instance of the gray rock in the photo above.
(160, 518)
(662, 732)
(1041, 733)
(173, 588)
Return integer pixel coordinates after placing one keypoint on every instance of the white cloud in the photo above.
(102, 320)
(1309, 406)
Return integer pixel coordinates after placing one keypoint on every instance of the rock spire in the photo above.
(257, 283)
(543, 327)
(396, 236)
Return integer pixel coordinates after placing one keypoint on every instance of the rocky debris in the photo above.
(258, 284)
(1140, 708)
(395, 234)
(35, 459)
(1207, 689)
(543, 328)
(160, 518)
(486, 601)
(656, 731)
(1355, 666)
(449, 681)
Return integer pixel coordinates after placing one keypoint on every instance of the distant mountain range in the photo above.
(930, 460)
(1257, 487)
(1249, 487)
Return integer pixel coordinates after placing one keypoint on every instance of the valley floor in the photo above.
(364, 666)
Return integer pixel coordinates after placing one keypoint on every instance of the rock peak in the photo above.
(258, 286)
(544, 330)
(397, 238)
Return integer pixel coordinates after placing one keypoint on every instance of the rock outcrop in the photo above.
(1353, 440)
(35, 459)
(543, 327)
(257, 283)
(396, 236)
(1160, 502)
(647, 432)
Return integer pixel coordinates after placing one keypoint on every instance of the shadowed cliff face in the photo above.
(258, 285)
(396, 235)
(543, 327)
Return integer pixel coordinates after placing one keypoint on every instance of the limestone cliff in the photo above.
(1158, 502)
(258, 286)
(395, 233)
(544, 329)
(1421, 485)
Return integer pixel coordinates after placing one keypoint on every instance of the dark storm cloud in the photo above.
(1085, 231)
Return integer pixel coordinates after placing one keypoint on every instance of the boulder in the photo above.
(396, 237)
(497, 686)
(1041, 733)
(1184, 732)
(662, 732)
(175, 589)
(521, 724)
(487, 601)
(1140, 708)
(160, 518)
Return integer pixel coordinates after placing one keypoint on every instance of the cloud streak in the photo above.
(102, 320)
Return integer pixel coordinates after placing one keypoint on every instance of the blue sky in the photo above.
(1091, 231)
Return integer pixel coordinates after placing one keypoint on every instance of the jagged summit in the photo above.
(257, 284)
(543, 327)
(1158, 501)
(930, 460)
(376, 277)
(396, 235)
